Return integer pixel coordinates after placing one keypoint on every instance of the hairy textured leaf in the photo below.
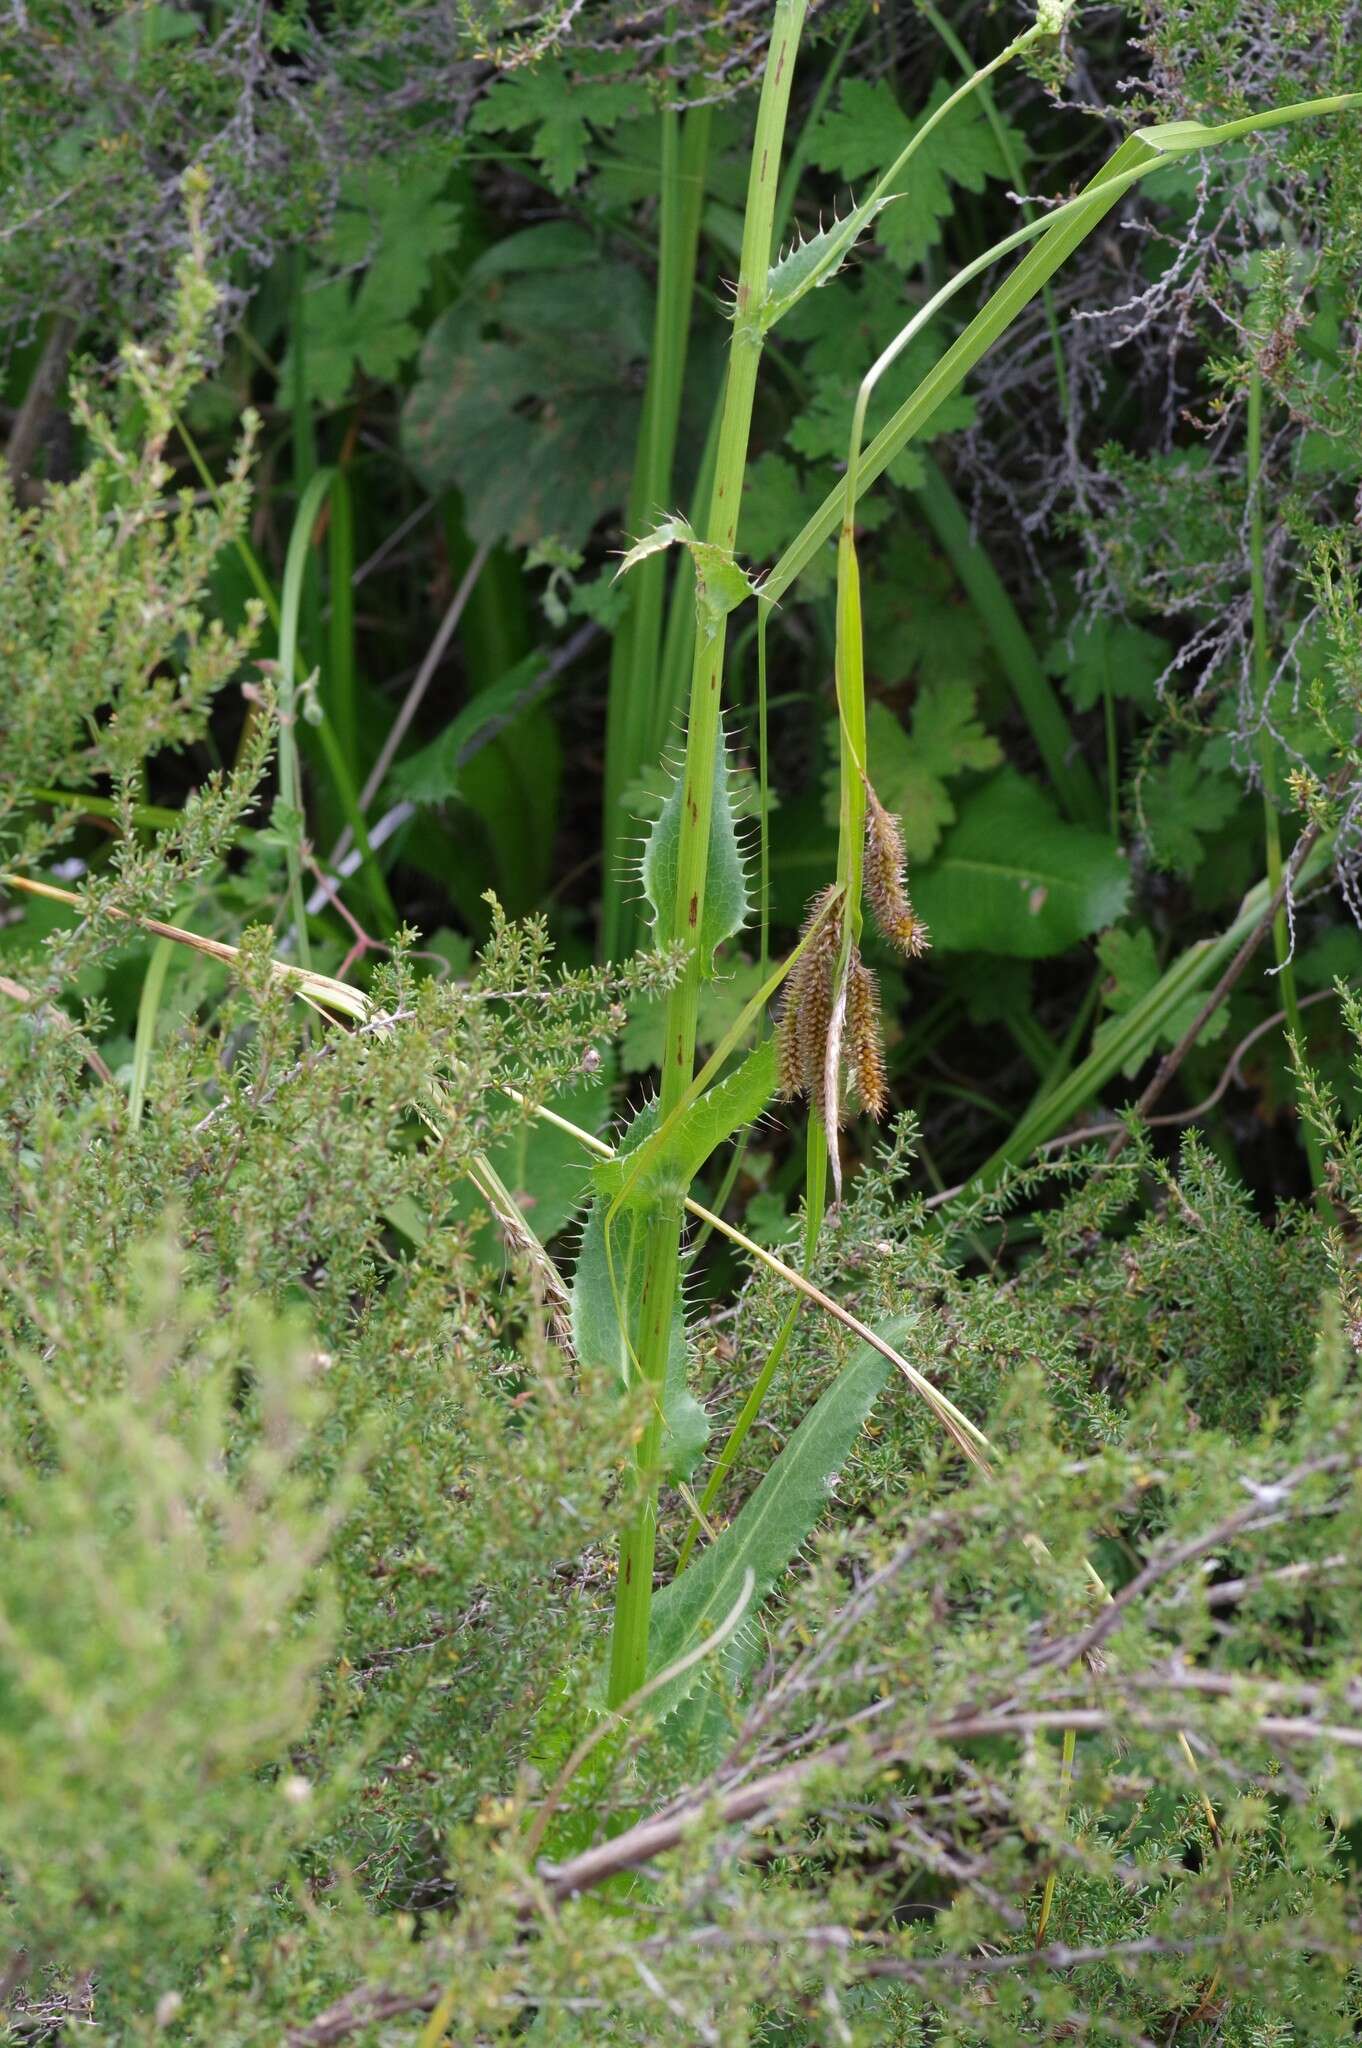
(726, 903)
(1013, 877)
(601, 1339)
(768, 1532)
(1109, 654)
(559, 112)
(391, 228)
(1182, 800)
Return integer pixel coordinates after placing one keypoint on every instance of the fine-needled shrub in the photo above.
(465, 1578)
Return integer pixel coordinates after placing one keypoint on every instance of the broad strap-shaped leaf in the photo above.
(771, 1528)
(1134, 1033)
(606, 1315)
(726, 901)
(434, 774)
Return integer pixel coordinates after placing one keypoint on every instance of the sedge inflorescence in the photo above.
(823, 998)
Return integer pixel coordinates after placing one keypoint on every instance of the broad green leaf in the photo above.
(1129, 959)
(769, 1530)
(1140, 1026)
(914, 620)
(1013, 877)
(527, 394)
(867, 130)
(1182, 802)
(391, 228)
(543, 1167)
(726, 905)
(433, 775)
(605, 1315)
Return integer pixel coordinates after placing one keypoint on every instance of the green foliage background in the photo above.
(309, 1470)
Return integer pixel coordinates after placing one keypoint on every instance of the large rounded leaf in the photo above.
(529, 390)
(1013, 877)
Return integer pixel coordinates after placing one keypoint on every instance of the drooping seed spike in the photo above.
(865, 1045)
(789, 1053)
(885, 882)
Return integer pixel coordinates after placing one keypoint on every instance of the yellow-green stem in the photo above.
(662, 1254)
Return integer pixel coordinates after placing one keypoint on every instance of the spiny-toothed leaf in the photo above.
(667, 1162)
(815, 260)
(768, 1533)
(726, 906)
(676, 531)
(868, 130)
(598, 1333)
(720, 583)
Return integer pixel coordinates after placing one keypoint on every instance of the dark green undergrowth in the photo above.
(508, 1533)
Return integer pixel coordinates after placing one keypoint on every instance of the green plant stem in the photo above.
(1066, 1779)
(1267, 755)
(637, 647)
(678, 645)
(1007, 150)
(148, 1009)
(341, 682)
(798, 159)
(633, 1603)
(850, 685)
(815, 1198)
(304, 444)
(290, 774)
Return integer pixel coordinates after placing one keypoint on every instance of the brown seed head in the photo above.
(885, 882)
(865, 1048)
